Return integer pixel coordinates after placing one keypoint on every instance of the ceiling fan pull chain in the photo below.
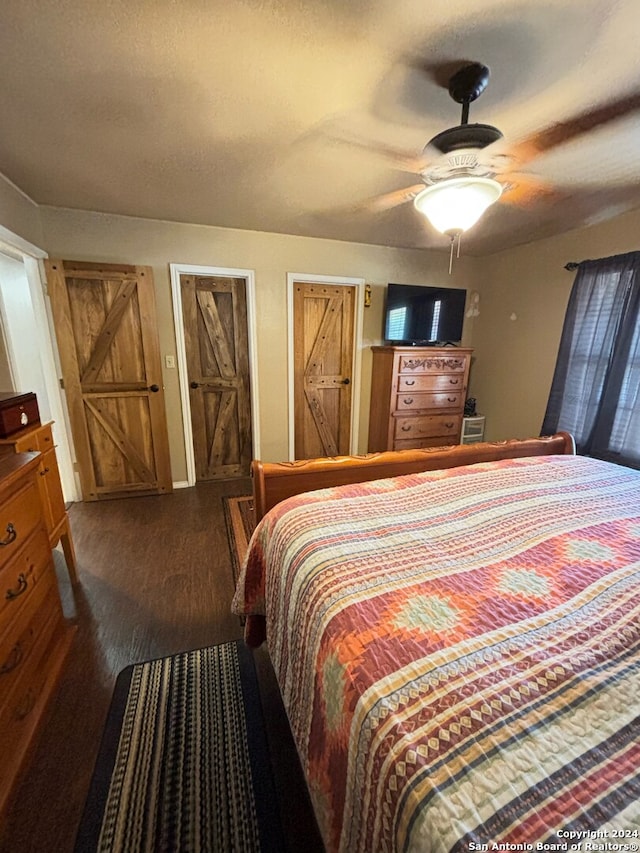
(451, 254)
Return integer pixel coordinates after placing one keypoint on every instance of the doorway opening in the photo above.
(29, 358)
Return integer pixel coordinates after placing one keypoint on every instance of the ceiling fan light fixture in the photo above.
(454, 205)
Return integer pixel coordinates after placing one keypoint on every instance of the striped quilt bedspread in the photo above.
(459, 654)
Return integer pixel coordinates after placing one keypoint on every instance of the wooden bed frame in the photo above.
(275, 481)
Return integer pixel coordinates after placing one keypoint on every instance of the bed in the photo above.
(457, 644)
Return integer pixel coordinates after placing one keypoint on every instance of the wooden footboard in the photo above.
(275, 481)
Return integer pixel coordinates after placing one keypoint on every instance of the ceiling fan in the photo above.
(460, 178)
(460, 174)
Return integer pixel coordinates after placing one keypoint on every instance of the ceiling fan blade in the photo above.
(524, 190)
(380, 203)
(401, 160)
(565, 131)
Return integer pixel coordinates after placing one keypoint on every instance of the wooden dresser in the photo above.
(34, 636)
(40, 438)
(417, 396)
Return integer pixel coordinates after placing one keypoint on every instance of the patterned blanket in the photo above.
(459, 654)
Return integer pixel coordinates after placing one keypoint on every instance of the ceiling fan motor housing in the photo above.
(459, 163)
(465, 136)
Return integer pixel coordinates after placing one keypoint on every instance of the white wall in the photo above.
(19, 322)
(18, 213)
(6, 379)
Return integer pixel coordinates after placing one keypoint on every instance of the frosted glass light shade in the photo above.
(456, 204)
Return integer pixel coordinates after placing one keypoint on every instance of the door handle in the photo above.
(155, 388)
(346, 381)
(195, 384)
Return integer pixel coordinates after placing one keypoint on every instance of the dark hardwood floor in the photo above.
(155, 579)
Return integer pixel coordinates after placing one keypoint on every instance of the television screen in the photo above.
(421, 315)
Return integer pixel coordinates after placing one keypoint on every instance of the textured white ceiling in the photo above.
(275, 115)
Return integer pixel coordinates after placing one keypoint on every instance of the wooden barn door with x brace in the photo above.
(107, 334)
(214, 314)
(323, 323)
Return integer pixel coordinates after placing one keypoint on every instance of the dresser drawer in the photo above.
(22, 707)
(40, 439)
(432, 364)
(415, 443)
(19, 640)
(409, 402)
(34, 636)
(19, 517)
(45, 438)
(427, 426)
(18, 578)
(434, 382)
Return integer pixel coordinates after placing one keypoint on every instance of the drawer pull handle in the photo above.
(405, 428)
(453, 381)
(44, 472)
(408, 401)
(449, 425)
(10, 537)
(14, 660)
(409, 382)
(23, 583)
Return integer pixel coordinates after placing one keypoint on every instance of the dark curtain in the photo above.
(595, 394)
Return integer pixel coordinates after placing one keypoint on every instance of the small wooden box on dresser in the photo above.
(34, 635)
(417, 396)
(39, 437)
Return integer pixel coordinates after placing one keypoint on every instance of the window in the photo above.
(595, 393)
(626, 424)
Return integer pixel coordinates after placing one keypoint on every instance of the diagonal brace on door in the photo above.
(216, 333)
(227, 400)
(121, 441)
(107, 333)
(330, 317)
(329, 443)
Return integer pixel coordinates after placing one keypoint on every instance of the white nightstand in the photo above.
(472, 430)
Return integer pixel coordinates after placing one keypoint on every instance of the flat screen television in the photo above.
(418, 315)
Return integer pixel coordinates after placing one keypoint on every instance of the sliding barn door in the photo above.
(323, 358)
(107, 334)
(214, 314)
